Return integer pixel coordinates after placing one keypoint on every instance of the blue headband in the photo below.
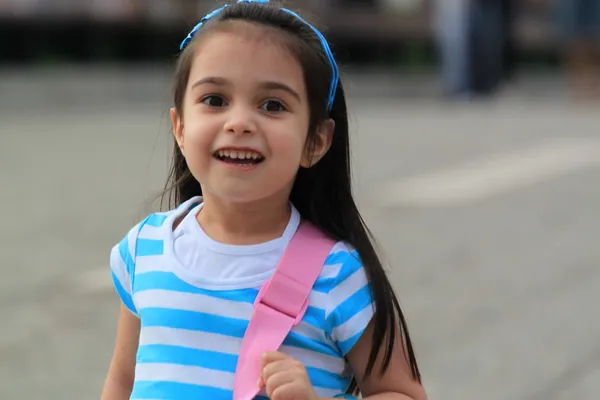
(334, 69)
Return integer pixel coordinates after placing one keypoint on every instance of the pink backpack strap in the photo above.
(280, 304)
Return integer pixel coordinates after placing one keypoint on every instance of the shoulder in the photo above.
(341, 250)
(344, 258)
(123, 253)
(151, 228)
(150, 222)
(343, 271)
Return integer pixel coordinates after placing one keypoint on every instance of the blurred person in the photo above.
(487, 46)
(261, 152)
(580, 31)
(476, 46)
(510, 56)
(452, 31)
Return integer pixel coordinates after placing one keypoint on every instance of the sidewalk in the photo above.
(70, 86)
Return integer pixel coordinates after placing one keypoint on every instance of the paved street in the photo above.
(484, 211)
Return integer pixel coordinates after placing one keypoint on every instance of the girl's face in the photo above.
(245, 116)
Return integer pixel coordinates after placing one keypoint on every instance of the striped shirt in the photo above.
(192, 329)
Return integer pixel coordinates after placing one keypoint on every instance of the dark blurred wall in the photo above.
(362, 31)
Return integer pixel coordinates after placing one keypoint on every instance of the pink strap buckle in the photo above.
(283, 295)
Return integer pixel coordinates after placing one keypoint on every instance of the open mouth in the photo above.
(239, 157)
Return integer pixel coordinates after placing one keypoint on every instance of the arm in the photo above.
(350, 315)
(396, 384)
(119, 381)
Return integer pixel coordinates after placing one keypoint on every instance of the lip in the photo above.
(239, 167)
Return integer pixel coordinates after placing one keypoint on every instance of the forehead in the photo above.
(248, 52)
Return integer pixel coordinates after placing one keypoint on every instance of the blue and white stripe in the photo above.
(191, 336)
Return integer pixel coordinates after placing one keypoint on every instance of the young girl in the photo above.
(261, 143)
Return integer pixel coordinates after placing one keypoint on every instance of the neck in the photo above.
(244, 223)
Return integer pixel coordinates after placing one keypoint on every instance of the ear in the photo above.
(322, 143)
(177, 127)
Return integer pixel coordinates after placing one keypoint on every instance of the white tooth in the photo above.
(254, 156)
(248, 156)
(233, 154)
(226, 153)
(221, 154)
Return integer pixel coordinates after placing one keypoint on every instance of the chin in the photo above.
(241, 195)
(237, 195)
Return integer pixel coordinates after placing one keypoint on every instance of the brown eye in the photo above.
(213, 101)
(273, 106)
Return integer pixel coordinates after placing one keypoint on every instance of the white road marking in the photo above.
(499, 174)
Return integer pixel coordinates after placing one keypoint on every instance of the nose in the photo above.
(240, 120)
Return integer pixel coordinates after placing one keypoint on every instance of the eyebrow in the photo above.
(213, 80)
(280, 86)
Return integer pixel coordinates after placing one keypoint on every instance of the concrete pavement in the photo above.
(499, 287)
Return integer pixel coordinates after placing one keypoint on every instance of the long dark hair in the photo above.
(323, 193)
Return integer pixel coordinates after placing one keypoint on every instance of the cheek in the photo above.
(196, 138)
(287, 148)
(288, 141)
(197, 147)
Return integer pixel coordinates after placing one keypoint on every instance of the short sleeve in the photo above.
(350, 305)
(122, 266)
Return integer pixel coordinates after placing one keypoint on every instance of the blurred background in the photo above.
(476, 135)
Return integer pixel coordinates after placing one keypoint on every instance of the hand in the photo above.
(285, 378)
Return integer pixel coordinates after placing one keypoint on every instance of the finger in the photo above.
(279, 379)
(261, 382)
(289, 390)
(272, 356)
(274, 367)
